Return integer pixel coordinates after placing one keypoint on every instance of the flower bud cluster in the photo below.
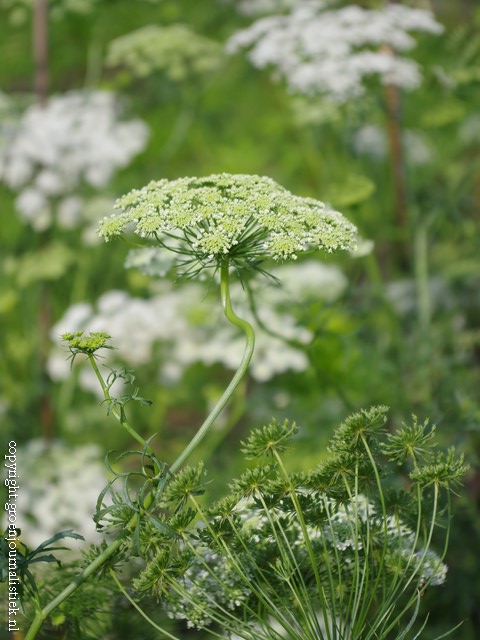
(175, 50)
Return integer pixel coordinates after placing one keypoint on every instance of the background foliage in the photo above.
(403, 331)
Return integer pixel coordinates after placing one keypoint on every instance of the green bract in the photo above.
(245, 218)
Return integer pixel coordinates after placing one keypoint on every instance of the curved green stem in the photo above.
(232, 317)
(241, 371)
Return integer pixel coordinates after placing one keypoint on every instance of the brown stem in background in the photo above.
(392, 103)
(397, 159)
(40, 49)
(44, 316)
(44, 327)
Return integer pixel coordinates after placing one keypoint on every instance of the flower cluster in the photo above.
(267, 533)
(245, 218)
(77, 139)
(190, 331)
(299, 548)
(176, 51)
(201, 593)
(318, 49)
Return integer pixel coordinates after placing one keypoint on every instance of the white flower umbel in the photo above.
(319, 49)
(175, 50)
(189, 331)
(78, 139)
(242, 219)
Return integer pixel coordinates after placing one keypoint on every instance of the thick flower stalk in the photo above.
(226, 222)
(246, 218)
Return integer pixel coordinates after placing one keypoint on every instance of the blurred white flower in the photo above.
(60, 490)
(403, 295)
(17, 173)
(77, 139)
(69, 212)
(49, 182)
(310, 280)
(73, 319)
(34, 207)
(191, 328)
(417, 149)
(470, 129)
(371, 140)
(175, 50)
(331, 51)
(364, 248)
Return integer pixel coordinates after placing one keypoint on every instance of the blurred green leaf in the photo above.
(47, 264)
(353, 189)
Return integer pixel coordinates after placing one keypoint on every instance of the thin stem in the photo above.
(424, 302)
(237, 409)
(392, 100)
(235, 561)
(237, 378)
(119, 415)
(94, 66)
(376, 582)
(122, 589)
(421, 278)
(325, 606)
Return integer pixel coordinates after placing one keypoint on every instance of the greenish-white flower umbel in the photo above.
(246, 219)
